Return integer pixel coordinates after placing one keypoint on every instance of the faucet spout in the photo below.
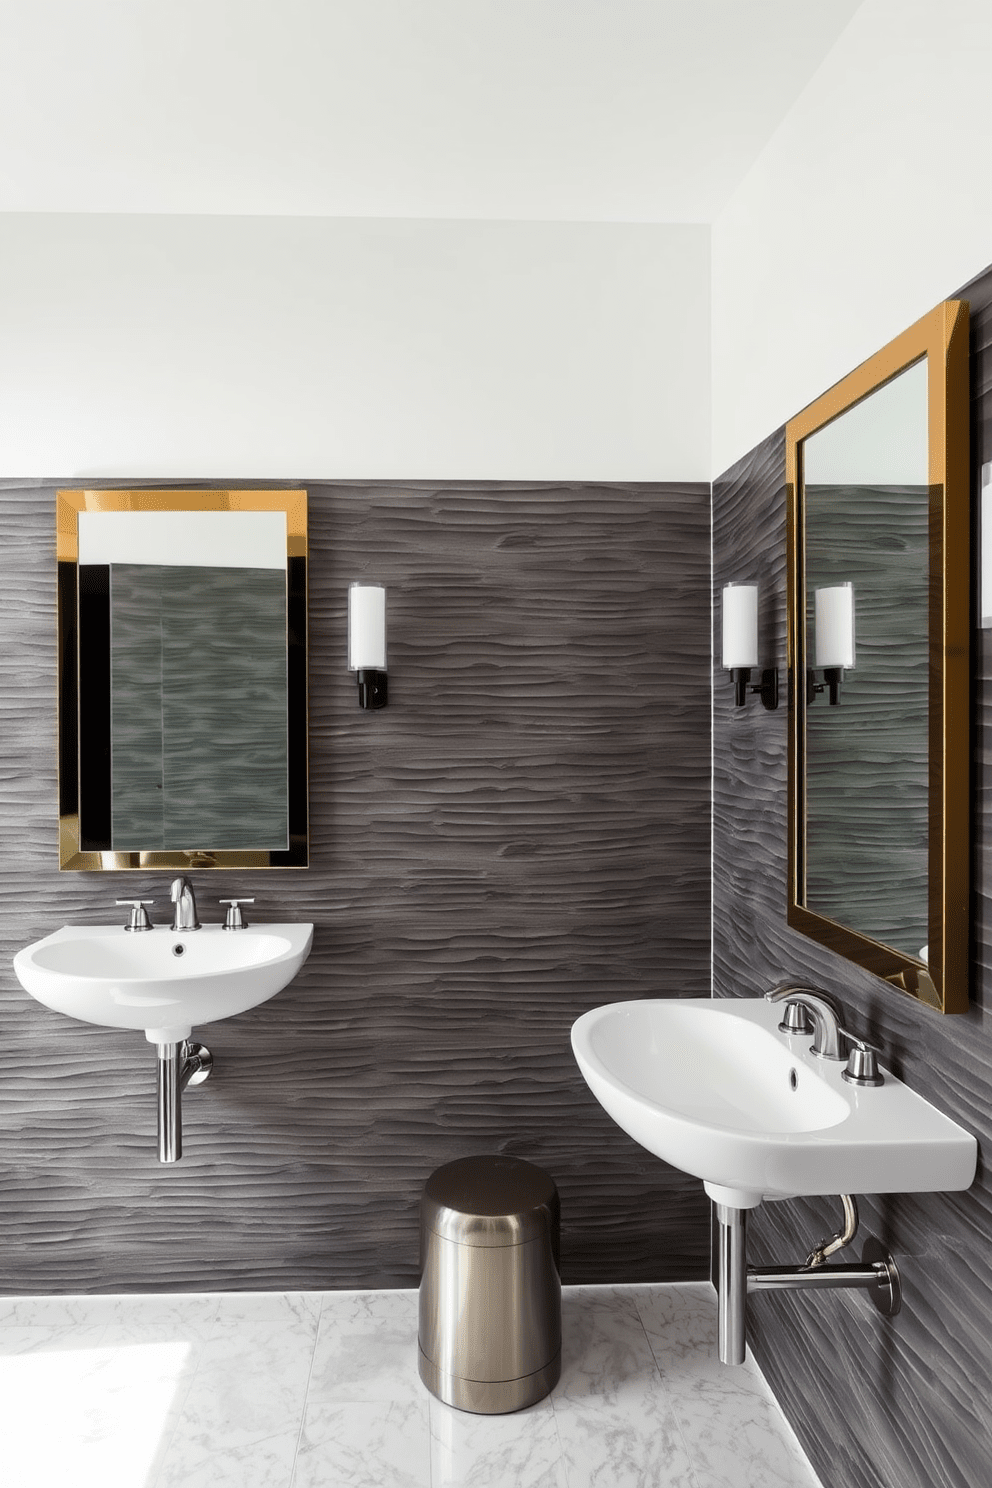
(185, 916)
(825, 1014)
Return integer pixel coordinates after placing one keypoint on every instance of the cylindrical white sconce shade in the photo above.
(367, 627)
(833, 616)
(367, 643)
(740, 625)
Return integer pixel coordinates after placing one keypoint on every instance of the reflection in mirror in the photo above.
(877, 480)
(866, 498)
(186, 614)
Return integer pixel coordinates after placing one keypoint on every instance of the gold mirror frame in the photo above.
(68, 505)
(942, 982)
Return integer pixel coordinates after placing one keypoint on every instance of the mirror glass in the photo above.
(182, 679)
(866, 500)
(877, 480)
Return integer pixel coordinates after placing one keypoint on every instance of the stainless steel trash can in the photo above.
(490, 1293)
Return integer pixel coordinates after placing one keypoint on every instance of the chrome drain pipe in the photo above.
(179, 1065)
(823, 1278)
(732, 1283)
(877, 1274)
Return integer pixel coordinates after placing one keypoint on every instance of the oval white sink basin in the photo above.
(715, 1089)
(161, 981)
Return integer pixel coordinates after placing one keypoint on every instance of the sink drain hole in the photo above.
(179, 950)
(793, 1080)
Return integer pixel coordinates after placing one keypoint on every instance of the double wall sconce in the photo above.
(367, 642)
(740, 645)
(833, 626)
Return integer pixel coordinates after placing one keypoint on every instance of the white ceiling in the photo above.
(581, 110)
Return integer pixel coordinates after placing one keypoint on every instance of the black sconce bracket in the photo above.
(767, 689)
(832, 678)
(373, 690)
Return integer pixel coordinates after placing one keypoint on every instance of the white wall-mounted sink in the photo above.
(162, 981)
(712, 1087)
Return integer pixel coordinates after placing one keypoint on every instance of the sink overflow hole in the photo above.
(180, 950)
(793, 1078)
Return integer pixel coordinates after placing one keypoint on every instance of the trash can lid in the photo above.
(490, 1201)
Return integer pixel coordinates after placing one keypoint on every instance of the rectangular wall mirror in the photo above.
(879, 585)
(182, 679)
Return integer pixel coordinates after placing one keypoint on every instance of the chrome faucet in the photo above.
(822, 1008)
(185, 916)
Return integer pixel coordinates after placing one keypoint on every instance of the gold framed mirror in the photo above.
(182, 679)
(879, 585)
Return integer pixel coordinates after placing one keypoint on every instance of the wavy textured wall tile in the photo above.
(905, 1403)
(521, 834)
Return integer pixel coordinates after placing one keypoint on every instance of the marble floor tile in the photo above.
(634, 1442)
(367, 1349)
(269, 1307)
(99, 1308)
(267, 1463)
(93, 1415)
(680, 1322)
(322, 1391)
(736, 1433)
(738, 1437)
(189, 1320)
(245, 1403)
(615, 1419)
(47, 1312)
(121, 1320)
(522, 1450)
(365, 1444)
(42, 1340)
(604, 1347)
(251, 1380)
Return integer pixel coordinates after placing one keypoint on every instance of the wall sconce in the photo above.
(833, 623)
(367, 642)
(740, 645)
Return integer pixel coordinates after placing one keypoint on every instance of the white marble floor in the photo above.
(320, 1390)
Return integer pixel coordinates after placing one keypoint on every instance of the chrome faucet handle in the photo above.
(138, 918)
(234, 919)
(796, 1019)
(862, 1062)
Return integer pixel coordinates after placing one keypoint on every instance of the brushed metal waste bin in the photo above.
(490, 1294)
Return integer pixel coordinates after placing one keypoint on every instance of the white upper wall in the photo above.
(868, 206)
(579, 110)
(306, 348)
(466, 238)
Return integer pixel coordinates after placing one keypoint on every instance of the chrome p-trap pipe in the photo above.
(735, 1279)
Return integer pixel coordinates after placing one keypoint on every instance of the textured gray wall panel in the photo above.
(522, 834)
(904, 1403)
